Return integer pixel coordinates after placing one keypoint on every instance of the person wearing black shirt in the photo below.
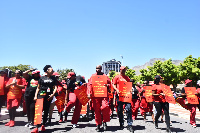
(72, 83)
(29, 97)
(135, 103)
(47, 87)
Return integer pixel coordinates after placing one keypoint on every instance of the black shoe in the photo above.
(98, 128)
(130, 128)
(156, 125)
(121, 127)
(104, 126)
(48, 121)
(168, 130)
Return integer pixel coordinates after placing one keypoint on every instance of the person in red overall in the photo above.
(143, 102)
(73, 100)
(149, 105)
(15, 86)
(160, 102)
(198, 92)
(135, 103)
(100, 104)
(3, 81)
(191, 107)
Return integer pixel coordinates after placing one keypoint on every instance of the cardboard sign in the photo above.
(81, 94)
(83, 109)
(148, 93)
(168, 94)
(191, 97)
(60, 102)
(2, 85)
(38, 111)
(125, 94)
(14, 92)
(99, 89)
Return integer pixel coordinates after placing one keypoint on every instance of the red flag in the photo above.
(81, 94)
(168, 94)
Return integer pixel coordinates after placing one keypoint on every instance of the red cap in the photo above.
(70, 74)
(36, 71)
(187, 81)
(56, 74)
(122, 67)
(63, 82)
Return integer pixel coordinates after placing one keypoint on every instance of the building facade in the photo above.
(111, 65)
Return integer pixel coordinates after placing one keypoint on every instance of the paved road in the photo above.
(178, 125)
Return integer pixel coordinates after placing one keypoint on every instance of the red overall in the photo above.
(100, 104)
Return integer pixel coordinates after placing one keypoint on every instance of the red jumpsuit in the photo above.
(100, 104)
(143, 102)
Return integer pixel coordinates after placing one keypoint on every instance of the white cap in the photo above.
(198, 82)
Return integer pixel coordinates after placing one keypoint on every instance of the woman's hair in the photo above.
(46, 67)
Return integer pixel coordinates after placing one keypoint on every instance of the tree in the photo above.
(19, 67)
(166, 69)
(190, 69)
(63, 73)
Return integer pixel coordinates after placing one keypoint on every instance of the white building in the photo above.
(111, 65)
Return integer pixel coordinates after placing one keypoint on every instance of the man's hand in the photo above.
(89, 96)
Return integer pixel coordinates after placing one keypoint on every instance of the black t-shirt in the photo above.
(46, 86)
(31, 87)
(71, 83)
(183, 90)
(135, 93)
(28, 80)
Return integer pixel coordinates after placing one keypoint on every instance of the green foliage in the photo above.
(166, 69)
(112, 74)
(190, 69)
(131, 74)
(19, 67)
(63, 73)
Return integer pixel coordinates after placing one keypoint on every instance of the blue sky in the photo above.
(81, 34)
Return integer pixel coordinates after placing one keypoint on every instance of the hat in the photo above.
(122, 67)
(158, 77)
(70, 74)
(36, 71)
(187, 81)
(198, 82)
(56, 74)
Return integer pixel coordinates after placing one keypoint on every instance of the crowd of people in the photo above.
(27, 88)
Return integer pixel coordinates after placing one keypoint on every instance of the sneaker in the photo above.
(60, 121)
(156, 125)
(130, 128)
(35, 130)
(31, 126)
(12, 124)
(43, 128)
(104, 126)
(7, 124)
(74, 125)
(168, 130)
(98, 128)
(194, 125)
(27, 125)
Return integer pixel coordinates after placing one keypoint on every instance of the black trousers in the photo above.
(165, 106)
(46, 106)
(2, 101)
(30, 105)
(128, 112)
